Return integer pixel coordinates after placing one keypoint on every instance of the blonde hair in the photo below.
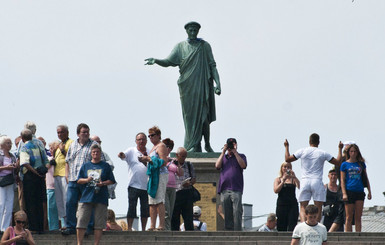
(20, 214)
(123, 224)
(280, 174)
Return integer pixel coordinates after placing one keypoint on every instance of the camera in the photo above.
(52, 162)
(95, 180)
(230, 143)
(288, 171)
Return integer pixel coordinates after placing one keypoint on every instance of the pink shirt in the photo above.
(172, 172)
(49, 181)
(6, 162)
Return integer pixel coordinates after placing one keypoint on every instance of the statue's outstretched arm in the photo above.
(164, 63)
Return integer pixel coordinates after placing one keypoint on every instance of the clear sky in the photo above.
(287, 68)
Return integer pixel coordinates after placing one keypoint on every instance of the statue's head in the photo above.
(192, 29)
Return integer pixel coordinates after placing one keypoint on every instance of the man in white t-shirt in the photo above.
(310, 232)
(137, 180)
(312, 164)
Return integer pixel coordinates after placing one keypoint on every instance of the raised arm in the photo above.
(278, 184)
(240, 160)
(337, 161)
(219, 162)
(164, 63)
(288, 158)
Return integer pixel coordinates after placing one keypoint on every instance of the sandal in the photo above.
(160, 229)
(151, 229)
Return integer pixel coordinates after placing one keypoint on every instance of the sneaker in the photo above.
(68, 231)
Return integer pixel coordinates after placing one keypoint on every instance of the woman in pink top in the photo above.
(173, 171)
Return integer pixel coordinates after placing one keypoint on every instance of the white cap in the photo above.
(349, 142)
(197, 211)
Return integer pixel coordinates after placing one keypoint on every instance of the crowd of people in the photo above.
(337, 203)
(68, 185)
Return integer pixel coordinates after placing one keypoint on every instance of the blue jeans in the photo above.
(74, 192)
(232, 207)
(53, 217)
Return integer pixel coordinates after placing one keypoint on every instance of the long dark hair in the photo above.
(359, 156)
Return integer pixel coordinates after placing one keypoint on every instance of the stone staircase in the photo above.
(206, 238)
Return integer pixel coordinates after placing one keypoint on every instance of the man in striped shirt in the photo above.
(78, 153)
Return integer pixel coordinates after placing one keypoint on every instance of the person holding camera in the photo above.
(287, 204)
(95, 176)
(230, 185)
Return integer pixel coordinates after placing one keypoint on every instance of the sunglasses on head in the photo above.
(20, 222)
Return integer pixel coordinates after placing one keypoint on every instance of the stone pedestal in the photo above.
(207, 181)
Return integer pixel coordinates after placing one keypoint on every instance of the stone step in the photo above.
(206, 238)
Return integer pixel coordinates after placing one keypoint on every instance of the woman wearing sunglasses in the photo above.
(18, 235)
(159, 174)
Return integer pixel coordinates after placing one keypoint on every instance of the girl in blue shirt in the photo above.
(353, 172)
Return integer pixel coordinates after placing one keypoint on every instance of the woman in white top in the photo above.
(7, 167)
(156, 204)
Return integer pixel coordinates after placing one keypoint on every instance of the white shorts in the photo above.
(312, 188)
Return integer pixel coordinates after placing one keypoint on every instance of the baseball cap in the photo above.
(197, 210)
(349, 142)
(231, 140)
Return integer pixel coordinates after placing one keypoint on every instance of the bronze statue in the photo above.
(197, 70)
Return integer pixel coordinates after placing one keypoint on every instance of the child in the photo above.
(310, 231)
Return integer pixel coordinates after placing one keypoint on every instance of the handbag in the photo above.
(7, 180)
(41, 170)
(196, 196)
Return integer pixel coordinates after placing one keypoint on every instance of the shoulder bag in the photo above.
(195, 193)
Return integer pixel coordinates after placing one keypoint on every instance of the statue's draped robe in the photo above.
(196, 64)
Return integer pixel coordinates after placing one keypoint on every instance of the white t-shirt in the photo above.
(312, 162)
(310, 235)
(196, 224)
(137, 176)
